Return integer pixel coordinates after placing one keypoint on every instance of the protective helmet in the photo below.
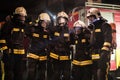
(44, 16)
(93, 11)
(21, 11)
(79, 23)
(62, 14)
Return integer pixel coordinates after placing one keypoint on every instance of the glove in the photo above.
(104, 58)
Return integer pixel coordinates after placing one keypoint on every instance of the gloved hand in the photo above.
(104, 58)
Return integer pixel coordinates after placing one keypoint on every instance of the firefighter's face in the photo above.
(62, 21)
(91, 19)
(21, 18)
(77, 30)
(44, 24)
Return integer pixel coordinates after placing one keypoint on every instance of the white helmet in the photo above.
(21, 11)
(93, 11)
(62, 14)
(79, 23)
(44, 16)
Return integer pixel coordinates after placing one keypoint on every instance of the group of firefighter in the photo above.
(55, 52)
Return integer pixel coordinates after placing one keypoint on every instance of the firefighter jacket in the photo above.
(11, 37)
(101, 38)
(81, 56)
(38, 43)
(60, 47)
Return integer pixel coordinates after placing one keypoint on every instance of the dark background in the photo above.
(34, 7)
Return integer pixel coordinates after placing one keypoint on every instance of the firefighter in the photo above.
(100, 43)
(11, 40)
(81, 69)
(37, 56)
(60, 50)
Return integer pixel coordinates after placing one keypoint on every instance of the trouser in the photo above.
(36, 69)
(81, 72)
(0, 70)
(14, 66)
(61, 70)
(100, 70)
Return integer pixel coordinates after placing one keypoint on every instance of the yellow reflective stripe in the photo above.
(83, 40)
(22, 30)
(97, 30)
(45, 36)
(95, 56)
(107, 44)
(18, 51)
(4, 48)
(57, 34)
(41, 58)
(75, 62)
(66, 35)
(37, 21)
(76, 42)
(30, 22)
(34, 56)
(53, 55)
(82, 63)
(105, 48)
(3, 41)
(64, 58)
(35, 35)
(16, 29)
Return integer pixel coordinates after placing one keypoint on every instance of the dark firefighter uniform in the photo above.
(81, 63)
(37, 56)
(11, 41)
(60, 54)
(100, 48)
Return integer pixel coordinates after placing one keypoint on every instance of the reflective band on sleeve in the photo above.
(83, 40)
(105, 48)
(18, 51)
(45, 36)
(16, 29)
(66, 35)
(95, 56)
(53, 55)
(76, 42)
(107, 44)
(97, 30)
(3, 41)
(31, 55)
(36, 35)
(22, 30)
(4, 48)
(57, 34)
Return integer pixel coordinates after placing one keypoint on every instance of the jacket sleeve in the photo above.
(4, 33)
(107, 33)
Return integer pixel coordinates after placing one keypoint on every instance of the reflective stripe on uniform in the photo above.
(17, 29)
(105, 48)
(36, 35)
(45, 36)
(3, 41)
(64, 58)
(97, 30)
(95, 56)
(66, 35)
(4, 48)
(107, 44)
(18, 51)
(57, 34)
(82, 63)
(34, 56)
(83, 40)
(53, 55)
(42, 58)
